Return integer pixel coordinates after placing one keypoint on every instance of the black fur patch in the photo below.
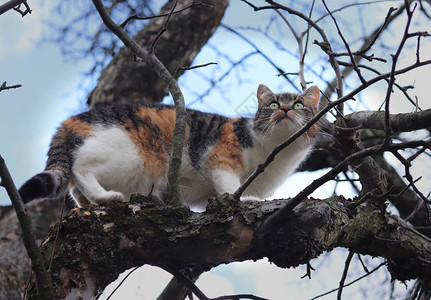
(243, 133)
(205, 131)
(39, 186)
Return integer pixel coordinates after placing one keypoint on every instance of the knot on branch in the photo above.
(346, 141)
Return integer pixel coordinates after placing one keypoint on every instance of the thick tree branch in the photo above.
(127, 235)
(403, 122)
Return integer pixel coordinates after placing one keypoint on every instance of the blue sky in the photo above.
(50, 93)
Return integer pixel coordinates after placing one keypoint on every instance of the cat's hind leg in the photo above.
(93, 191)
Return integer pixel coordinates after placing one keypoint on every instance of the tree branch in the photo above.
(43, 278)
(13, 4)
(4, 86)
(403, 122)
(228, 231)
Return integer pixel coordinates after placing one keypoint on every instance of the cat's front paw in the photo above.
(110, 196)
(250, 198)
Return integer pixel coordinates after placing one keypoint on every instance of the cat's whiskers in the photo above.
(268, 127)
(258, 126)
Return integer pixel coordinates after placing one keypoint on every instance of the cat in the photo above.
(108, 153)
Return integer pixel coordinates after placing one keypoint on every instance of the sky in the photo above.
(51, 92)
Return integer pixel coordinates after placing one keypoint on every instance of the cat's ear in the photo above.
(264, 94)
(312, 94)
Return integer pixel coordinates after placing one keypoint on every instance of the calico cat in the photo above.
(106, 154)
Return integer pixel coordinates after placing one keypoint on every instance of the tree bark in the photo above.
(127, 80)
(96, 244)
(14, 262)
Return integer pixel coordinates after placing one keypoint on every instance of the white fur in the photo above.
(108, 167)
(283, 165)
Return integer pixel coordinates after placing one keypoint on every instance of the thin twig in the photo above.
(163, 29)
(10, 5)
(368, 42)
(395, 57)
(301, 52)
(344, 276)
(57, 234)
(195, 290)
(121, 282)
(23, 13)
(327, 49)
(362, 263)
(352, 59)
(352, 282)
(191, 68)
(408, 176)
(279, 69)
(4, 86)
(136, 17)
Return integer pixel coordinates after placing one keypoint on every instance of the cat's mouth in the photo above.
(285, 118)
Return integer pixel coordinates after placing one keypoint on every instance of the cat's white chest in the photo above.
(284, 164)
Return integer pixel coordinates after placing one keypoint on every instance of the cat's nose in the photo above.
(285, 108)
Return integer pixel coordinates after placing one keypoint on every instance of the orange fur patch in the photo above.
(153, 150)
(227, 153)
(313, 131)
(164, 119)
(80, 127)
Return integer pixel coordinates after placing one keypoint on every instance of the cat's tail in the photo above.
(53, 181)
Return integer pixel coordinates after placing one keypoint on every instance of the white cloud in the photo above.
(20, 34)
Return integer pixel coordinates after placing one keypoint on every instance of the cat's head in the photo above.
(285, 112)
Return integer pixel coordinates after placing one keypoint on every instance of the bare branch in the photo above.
(388, 128)
(279, 70)
(136, 17)
(23, 12)
(164, 28)
(301, 52)
(14, 4)
(404, 122)
(325, 45)
(352, 282)
(4, 86)
(368, 42)
(346, 270)
(193, 67)
(355, 67)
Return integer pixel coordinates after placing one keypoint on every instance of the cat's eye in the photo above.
(274, 105)
(298, 105)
